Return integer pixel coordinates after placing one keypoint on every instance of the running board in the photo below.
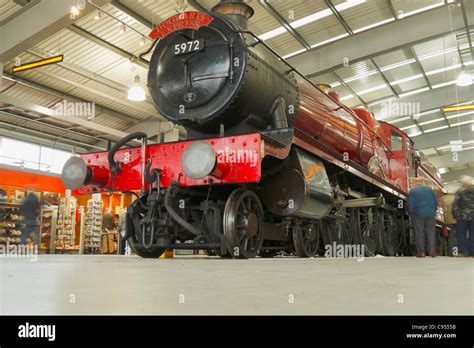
(363, 202)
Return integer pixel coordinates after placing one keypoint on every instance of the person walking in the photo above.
(463, 212)
(422, 206)
(30, 211)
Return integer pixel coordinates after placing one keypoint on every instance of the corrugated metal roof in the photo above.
(365, 14)
(262, 21)
(321, 30)
(393, 57)
(297, 9)
(435, 45)
(445, 76)
(327, 78)
(440, 62)
(80, 51)
(15, 121)
(402, 72)
(410, 85)
(356, 69)
(404, 6)
(7, 9)
(32, 96)
(113, 31)
(284, 44)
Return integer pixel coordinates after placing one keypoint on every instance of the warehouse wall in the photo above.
(32, 180)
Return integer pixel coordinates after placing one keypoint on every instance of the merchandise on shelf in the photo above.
(10, 222)
(93, 230)
(48, 227)
(66, 223)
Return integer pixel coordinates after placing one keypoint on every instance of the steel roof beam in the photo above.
(119, 6)
(466, 25)
(339, 17)
(448, 160)
(46, 136)
(420, 66)
(431, 99)
(374, 42)
(94, 91)
(54, 92)
(275, 14)
(455, 175)
(89, 75)
(32, 27)
(443, 137)
(97, 40)
(392, 9)
(41, 122)
(24, 105)
(24, 8)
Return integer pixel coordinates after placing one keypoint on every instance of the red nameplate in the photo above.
(185, 20)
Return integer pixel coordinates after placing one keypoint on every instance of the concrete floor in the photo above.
(129, 285)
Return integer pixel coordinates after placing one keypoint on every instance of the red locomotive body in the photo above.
(272, 162)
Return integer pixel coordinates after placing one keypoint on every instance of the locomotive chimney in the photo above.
(237, 10)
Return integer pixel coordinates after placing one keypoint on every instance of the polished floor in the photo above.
(65, 284)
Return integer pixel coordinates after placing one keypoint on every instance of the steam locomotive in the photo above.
(272, 162)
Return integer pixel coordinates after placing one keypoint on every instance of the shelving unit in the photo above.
(49, 218)
(10, 223)
(66, 223)
(93, 226)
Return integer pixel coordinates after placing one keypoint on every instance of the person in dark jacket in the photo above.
(422, 206)
(30, 211)
(463, 212)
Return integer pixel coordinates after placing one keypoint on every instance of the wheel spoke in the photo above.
(237, 216)
(244, 235)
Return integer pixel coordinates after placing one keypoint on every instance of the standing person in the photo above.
(30, 210)
(422, 206)
(450, 222)
(463, 212)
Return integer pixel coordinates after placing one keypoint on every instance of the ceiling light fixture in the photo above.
(464, 79)
(455, 108)
(136, 92)
(74, 12)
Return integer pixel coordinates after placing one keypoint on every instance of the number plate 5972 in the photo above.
(188, 47)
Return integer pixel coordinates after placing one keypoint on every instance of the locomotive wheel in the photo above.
(388, 233)
(367, 232)
(243, 224)
(306, 240)
(332, 232)
(349, 227)
(152, 253)
(133, 224)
